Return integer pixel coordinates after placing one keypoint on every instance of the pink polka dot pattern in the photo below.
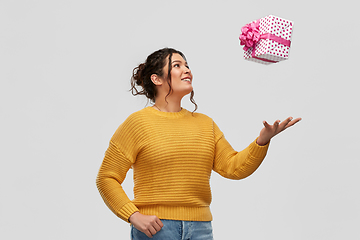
(269, 49)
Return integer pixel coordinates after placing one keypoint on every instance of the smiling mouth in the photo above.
(186, 80)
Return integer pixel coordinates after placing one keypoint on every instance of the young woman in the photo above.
(172, 152)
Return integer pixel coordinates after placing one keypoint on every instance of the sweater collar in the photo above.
(179, 114)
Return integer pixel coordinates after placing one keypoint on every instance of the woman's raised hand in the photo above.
(147, 224)
(269, 131)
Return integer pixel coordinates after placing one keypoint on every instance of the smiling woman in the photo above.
(172, 152)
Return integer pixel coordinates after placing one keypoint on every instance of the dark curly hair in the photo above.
(154, 64)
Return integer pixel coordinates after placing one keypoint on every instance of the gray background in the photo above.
(65, 68)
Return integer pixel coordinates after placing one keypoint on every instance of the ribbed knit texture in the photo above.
(172, 155)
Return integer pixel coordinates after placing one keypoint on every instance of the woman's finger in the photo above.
(148, 233)
(152, 230)
(157, 227)
(266, 125)
(284, 124)
(276, 126)
(159, 224)
(291, 123)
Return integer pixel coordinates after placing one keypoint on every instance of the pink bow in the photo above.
(250, 35)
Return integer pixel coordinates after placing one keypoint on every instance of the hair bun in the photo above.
(138, 74)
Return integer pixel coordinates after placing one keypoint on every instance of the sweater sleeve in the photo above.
(236, 165)
(111, 175)
(119, 157)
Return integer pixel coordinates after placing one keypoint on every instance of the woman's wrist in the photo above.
(133, 215)
(262, 142)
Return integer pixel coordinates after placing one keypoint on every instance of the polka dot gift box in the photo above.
(266, 40)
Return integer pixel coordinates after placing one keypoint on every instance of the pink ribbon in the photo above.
(280, 40)
(265, 60)
(274, 38)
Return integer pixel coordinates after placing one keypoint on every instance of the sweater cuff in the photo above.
(258, 151)
(127, 210)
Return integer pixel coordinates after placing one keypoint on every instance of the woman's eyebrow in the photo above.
(178, 61)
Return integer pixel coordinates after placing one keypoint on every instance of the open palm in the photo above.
(269, 131)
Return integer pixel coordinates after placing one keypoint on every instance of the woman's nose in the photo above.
(187, 69)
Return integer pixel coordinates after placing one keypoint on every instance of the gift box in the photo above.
(267, 40)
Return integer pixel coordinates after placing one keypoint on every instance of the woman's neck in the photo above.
(167, 106)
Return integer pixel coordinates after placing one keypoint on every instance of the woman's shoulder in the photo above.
(137, 115)
(202, 119)
(133, 123)
(201, 116)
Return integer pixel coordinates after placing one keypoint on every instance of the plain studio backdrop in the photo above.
(65, 69)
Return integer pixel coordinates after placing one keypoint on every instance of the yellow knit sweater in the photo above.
(172, 156)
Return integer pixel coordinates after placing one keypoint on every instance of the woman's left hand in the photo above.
(269, 131)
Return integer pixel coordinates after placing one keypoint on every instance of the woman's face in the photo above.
(181, 76)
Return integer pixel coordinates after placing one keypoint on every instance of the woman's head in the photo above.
(160, 65)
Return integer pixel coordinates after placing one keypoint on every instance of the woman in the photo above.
(172, 152)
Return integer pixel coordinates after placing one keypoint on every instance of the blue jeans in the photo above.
(178, 230)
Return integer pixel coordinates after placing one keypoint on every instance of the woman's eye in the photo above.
(176, 65)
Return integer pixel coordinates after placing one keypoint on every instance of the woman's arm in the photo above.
(237, 165)
(109, 179)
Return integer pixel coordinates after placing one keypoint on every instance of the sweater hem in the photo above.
(183, 213)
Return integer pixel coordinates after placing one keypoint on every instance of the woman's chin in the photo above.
(188, 91)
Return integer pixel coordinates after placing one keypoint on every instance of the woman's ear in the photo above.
(156, 80)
